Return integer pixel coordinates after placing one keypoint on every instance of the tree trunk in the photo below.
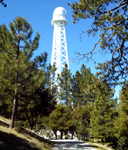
(55, 134)
(104, 140)
(15, 102)
(66, 133)
(72, 135)
(61, 134)
(14, 109)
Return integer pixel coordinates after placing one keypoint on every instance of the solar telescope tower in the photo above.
(59, 47)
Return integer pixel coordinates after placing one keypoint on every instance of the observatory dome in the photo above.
(59, 14)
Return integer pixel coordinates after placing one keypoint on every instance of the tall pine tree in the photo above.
(103, 114)
(16, 51)
(76, 90)
(82, 84)
(64, 86)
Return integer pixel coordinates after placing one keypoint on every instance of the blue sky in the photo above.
(39, 13)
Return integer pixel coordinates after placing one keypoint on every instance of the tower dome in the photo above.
(59, 15)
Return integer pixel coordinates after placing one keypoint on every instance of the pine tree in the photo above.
(5, 75)
(69, 121)
(76, 90)
(61, 120)
(33, 105)
(82, 84)
(56, 121)
(103, 114)
(16, 51)
(50, 79)
(81, 118)
(64, 86)
(87, 82)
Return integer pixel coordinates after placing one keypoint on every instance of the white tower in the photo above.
(59, 47)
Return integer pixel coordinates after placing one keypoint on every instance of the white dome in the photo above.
(59, 14)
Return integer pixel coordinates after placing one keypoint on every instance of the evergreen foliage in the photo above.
(82, 84)
(121, 122)
(70, 123)
(64, 86)
(87, 83)
(23, 81)
(104, 113)
(55, 121)
(61, 120)
(76, 90)
(81, 118)
(108, 19)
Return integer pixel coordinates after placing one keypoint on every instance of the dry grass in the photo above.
(99, 146)
(4, 120)
(11, 139)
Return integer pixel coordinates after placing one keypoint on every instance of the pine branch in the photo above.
(120, 4)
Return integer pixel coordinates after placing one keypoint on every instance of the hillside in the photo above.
(10, 139)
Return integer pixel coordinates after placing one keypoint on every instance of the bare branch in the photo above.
(85, 32)
(110, 38)
(115, 7)
(118, 6)
(93, 48)
(115, 52)
(121, 2)
(85, 54)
